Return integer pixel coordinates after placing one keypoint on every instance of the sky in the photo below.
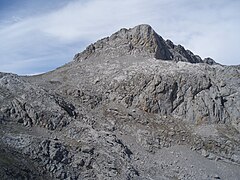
(39, 36)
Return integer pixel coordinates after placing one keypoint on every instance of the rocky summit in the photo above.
(130, 106)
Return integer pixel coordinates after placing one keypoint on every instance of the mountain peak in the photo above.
(140, 40)
(143, 29)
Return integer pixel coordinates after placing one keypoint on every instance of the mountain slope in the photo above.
(131, 106)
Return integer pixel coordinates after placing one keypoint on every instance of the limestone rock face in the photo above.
(30, 105)
(131, 106)
(140, 41)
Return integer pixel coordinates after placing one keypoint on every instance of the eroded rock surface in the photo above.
(131, 106)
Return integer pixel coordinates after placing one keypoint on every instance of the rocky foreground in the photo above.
(131, 106)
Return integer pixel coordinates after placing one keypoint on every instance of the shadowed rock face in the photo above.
(131, 106)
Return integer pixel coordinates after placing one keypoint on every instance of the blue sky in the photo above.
(38, 36)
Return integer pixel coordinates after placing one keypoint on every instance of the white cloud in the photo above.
(208, 28)
(95, 18)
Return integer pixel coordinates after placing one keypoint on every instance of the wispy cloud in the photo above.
(44, 41)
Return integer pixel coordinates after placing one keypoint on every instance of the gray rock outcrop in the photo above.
(140, 41)
(131, 106)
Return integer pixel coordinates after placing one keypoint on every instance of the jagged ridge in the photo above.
(141, 40)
